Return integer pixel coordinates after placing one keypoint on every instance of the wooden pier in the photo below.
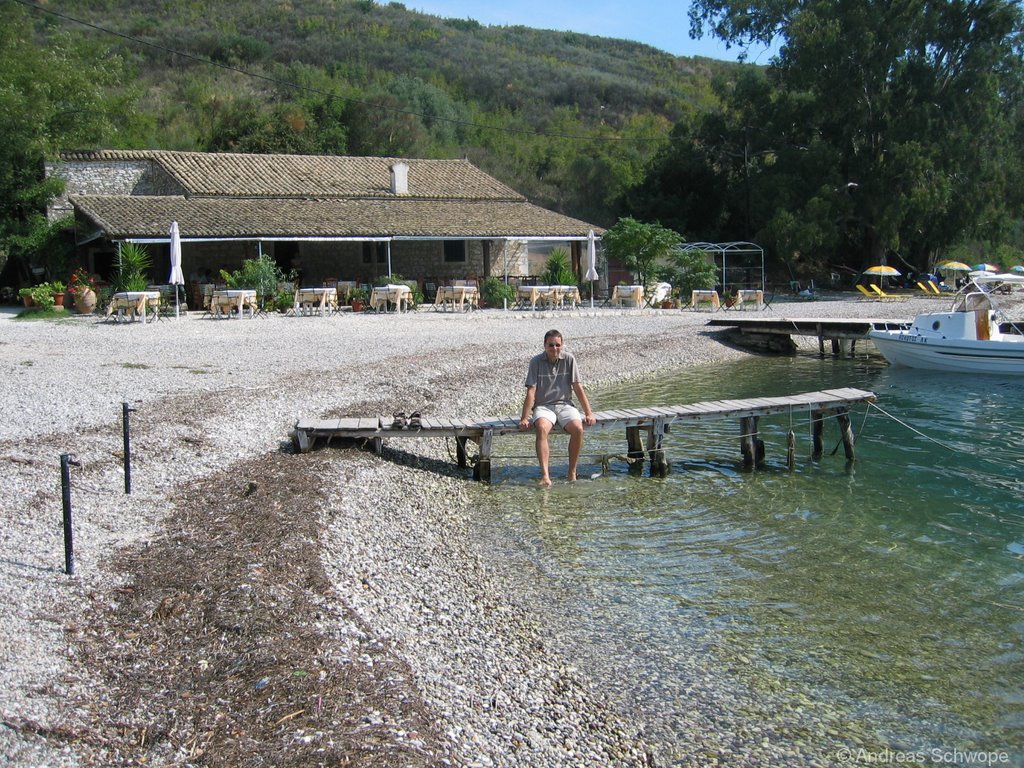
(774, 334)
(656, 422)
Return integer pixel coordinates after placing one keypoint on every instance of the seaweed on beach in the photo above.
(225, 645)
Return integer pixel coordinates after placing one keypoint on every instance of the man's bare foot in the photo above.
(571, 477)
(545, 481)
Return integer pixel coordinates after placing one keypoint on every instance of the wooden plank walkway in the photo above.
(775, 333)
(656, 421)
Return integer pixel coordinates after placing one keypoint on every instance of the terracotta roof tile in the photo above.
(222, 174)
(123, 217)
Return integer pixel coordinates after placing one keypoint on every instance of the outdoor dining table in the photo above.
(383, 295)
(534, 293)
(309, 301)
(566, 293)
(223, 301)
(448, 295)
(696, 297)
(135, 303)
(745, 295)
(633, 293)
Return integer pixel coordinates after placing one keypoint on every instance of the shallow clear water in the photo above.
(882, 601)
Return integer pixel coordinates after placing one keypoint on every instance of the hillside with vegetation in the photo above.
(880, 133)
(537, 109)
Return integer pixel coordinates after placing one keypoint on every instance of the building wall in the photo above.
(108, 177)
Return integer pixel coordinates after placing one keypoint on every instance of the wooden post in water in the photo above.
(817, 428)
(843, 417)
(659, 465)
(791, 450)
(482, 471)
(634, 448)
(750, 446)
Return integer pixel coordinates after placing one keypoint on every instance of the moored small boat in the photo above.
(966, 339)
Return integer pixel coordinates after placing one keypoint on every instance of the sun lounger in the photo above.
(883, 295)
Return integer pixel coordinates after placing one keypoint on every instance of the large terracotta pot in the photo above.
(85, 301)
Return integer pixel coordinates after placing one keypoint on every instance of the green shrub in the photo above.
(689, 271)
(260, 274)
(42, 295)
(495, 292)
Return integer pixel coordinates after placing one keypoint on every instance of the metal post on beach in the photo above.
(127, 436)
(67, 461)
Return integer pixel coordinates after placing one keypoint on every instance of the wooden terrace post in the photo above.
(460, 452)
(791, 450)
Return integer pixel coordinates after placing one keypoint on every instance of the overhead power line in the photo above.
(327, 94)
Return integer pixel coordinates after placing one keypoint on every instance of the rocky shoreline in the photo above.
(245, 600)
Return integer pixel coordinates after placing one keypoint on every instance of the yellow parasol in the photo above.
(882, 269)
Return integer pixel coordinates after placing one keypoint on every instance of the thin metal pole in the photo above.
(66, 462)
(126, 432)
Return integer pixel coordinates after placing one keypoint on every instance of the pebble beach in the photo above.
(452, 668)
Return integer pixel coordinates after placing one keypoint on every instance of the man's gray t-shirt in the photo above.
(553, 381)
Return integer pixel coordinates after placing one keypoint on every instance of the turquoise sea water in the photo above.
(877, 603)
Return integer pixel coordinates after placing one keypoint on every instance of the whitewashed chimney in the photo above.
(400, 179)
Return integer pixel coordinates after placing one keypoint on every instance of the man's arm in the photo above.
(524, 418)
(588, 415)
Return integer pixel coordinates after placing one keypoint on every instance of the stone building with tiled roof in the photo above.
(355, 218)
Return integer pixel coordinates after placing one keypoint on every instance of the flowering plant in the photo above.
(81, 281)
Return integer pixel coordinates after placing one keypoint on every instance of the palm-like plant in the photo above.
(134, 263)
(557, 270)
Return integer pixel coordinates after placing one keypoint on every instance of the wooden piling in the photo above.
(659, 464)
(634, 447)
(791, 450)
(817, 429)
(748, 441)
(482, 470)
(846, 431)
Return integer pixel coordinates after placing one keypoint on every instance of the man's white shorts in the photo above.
(559, 413)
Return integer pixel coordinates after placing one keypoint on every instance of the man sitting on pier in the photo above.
(550, 381)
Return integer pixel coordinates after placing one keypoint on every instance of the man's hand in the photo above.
(524, 424)
(590, 419)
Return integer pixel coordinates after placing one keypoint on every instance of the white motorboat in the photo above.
(966, 339)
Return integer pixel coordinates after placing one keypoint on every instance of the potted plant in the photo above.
(42, 296)
(25, 294)
(357, 298)
(58, 288)
(83, 291)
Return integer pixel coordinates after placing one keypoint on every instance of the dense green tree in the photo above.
(56, 92)
(891, 126)
(640, 246)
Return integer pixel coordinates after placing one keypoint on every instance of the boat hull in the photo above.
(954, 355)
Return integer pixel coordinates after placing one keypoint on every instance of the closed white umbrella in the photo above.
(177, 278)
(591, 264)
